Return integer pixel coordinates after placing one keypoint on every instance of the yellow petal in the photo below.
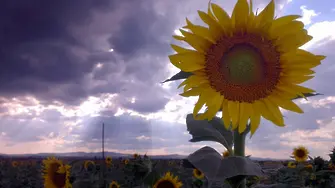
(185, 63)
(293, 41)
(282, 21)
(214, 26)
(189, 57)
(245, 112)
(223, 18)
(200, 31)
(293, 89)
(240, 14)
(200, 103)
(296, 79)
(255, 119)
(194, 84)
(233, 108)
(192, 92)
(225, 114)
(287, 29)
(277, 116)
(286, 104)
(199, 43)
(178, 37)
(214, 105)
(297, 72)
(264, 111)
(266, 16)
(209, 12)
(194, 80)
(179, 49)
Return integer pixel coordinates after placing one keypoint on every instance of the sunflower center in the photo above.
(165, 184)
(243, 67)
(300, 153)
(58, 179)
(198, 172)
(242, 64)
(114, 186)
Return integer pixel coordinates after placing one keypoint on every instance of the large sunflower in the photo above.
(246, 65)
(168, 181)
(300, 154)
(55, 173)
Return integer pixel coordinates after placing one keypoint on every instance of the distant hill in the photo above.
(90, 155)
(112, 154)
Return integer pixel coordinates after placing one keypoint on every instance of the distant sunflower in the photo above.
(309, 166)
(88, 165)
(168, 181)
(15, 164)
(198, 174)
(226, 154)
(108, 160)
(171, 163)
(136, 155)
(114, 184)
(300, 154)
(246, 65)
(291, 164)
(125, 161)
(55, 173)
(331, 166)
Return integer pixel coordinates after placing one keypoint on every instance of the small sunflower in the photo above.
(114, 184)
(171, 163)
(198, 174)
(300, 154)
(226, 154)
(88, 165)
(15, 164)
(331, 166)
(291, 165)
(309, 166)
(108, 160)
(168, 181)
(247, 65)
(125, 161)
(136, 155)
(55, 173)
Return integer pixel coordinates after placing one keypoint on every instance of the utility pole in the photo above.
(103, 155)
(103, 141)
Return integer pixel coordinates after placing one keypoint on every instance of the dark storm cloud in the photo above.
(44, 53)
(142, 29)
(37, 47)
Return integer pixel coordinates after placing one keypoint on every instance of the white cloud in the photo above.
(322, 33)
(307, 15)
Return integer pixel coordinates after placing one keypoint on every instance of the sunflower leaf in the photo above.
(218, 169)
(307, 95)
(214, 130)
(180, 75)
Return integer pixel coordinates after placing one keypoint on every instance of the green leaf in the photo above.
(307, 95)
(180, 75)
(204, 130)
(218, 169)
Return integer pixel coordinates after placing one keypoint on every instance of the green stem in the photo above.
(239, 150)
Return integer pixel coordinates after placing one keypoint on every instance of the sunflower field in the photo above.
(141, 171)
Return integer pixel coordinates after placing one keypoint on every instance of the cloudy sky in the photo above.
(69, 66)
